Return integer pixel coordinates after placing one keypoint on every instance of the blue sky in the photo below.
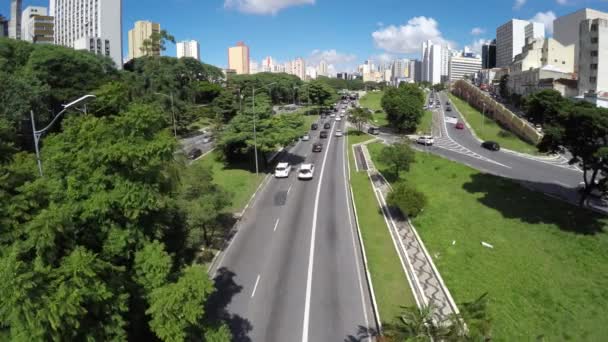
(343, 32)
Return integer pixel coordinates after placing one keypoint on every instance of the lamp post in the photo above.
(38, 133)
(172, 111)
(255, 136)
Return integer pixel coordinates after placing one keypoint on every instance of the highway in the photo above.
(293, 271)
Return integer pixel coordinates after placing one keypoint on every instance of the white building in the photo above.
(434, 62)
(566, 28)
(78, 23)
(299, 68)
(14, 25)
(268, 65)
(511, 38)
(254, 67)
(27, 21)
(189, 48)
(461, 66)
(593, 58)
(322, 68)
(311, 73)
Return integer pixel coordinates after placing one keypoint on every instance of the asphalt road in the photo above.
(293, 271)
(553, 176)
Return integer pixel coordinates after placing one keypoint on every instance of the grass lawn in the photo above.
(372, 101)
(390, 283)
(239, 181)
(426, 124)
(487, 129)
(547, 273)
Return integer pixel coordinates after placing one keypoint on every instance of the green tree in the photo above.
(503, 87)
(359, 117)
(398, 156)
(410, 201)
(403, 106)
(581, 130)
(156, 43)
(544, 105)
(318, 93)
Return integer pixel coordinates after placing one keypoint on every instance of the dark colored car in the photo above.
(373, 130)
(459, 125)
(491, 145)
(447, 103)
(448, 109)
(318, 147)
(323, 135)
(314, 127)
(194, 153)
(327, 125)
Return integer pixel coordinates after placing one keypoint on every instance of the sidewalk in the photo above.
(427, 285)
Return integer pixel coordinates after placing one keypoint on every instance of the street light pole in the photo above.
(37, 134)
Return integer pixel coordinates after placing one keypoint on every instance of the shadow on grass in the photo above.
(514, 201)
(216, 306)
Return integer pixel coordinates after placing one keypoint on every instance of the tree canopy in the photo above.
(403, 106)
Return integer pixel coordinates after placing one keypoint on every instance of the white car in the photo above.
(342, 114)
(338, 119)
(426, 140)
(306, 171)
(306, 137)
(339, 133)
(332, 115)
(282, 170)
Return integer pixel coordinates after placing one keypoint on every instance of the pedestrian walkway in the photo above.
(427, 286)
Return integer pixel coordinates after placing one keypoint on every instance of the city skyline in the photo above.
(389, 31)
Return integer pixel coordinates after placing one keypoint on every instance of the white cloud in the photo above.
(545, 18)
(519, 4)
(336, 61)
(264, 6)
(408, 38)
(379, 24)
(562, 2)
(476, 45)
(476, 31)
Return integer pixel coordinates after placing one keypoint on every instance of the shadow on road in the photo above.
(515, 201)
(363, 334)
(226, 289)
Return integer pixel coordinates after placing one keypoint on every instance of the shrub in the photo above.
(409, 200)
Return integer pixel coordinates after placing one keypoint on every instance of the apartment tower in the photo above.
(141, 31)
(189, 48)
(238, 58)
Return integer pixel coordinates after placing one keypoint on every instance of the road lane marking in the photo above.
(311, 255)
(255, 287)
(289, 190)
(276, 225)
(352, 232)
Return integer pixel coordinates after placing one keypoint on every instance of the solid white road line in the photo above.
(276, 225)
(352, 231)
(255, 287)
(311, 255)
(289, 190)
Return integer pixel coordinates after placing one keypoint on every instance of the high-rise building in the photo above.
(462, 66)
(593, 56)
(511, 38)
(416, 70)
(299, 68)
(3, 26)
(268, 65)
(288, 67)
(488, 55)
(188, 48)
(434, 58)
(14, 25)
(253, 67)
(322, 68)
(37, 26)
(89, 24)
(238, 58)
(566, 28)
(141, 31)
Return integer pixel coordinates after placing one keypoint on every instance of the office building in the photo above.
(188, 48)
(14, 25)
(461, 67)
(511, 38)
(141, 31)
(400, 68)
(299, 68)
(253, 67)
(37, 26)
(238, 58)
(322, 68)
(342, 76)
(566, 28)
(488, 55)
(79, 23)
(3, 26)
(593, 57)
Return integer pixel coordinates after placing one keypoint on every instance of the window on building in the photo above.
(594, 40)
(594, 27)
(592, 79)
(593, 66)
(594, 53)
